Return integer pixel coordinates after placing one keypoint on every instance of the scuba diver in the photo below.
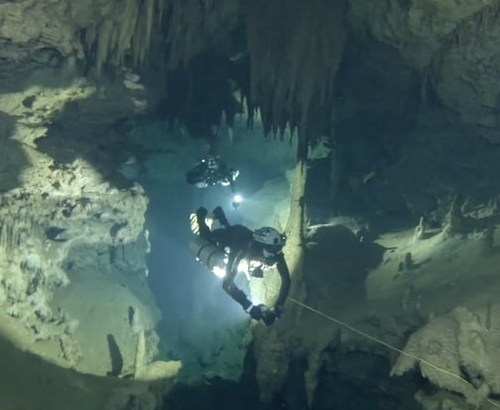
(235, 248)
(210, 171)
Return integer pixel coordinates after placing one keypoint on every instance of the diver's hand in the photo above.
(263, 313)
(268, 317)
(256, 311)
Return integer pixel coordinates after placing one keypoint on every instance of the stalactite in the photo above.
(195, 26)
(144, 28)
(295, 49)
(125, 28)
(103, 45)
(161, 9)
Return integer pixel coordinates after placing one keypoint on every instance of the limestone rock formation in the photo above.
(73, 242)
(56, 210)
(458, 352)
(55, 204)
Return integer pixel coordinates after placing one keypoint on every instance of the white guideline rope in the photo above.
(388, 345)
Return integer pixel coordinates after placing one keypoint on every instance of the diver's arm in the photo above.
(282, 268)
(229, 286)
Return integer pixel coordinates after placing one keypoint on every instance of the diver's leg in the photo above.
(203, 228)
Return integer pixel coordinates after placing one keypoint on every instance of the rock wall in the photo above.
(55, 211)
(73, 242)
(358, 294)
(450, 42)
(54, 30)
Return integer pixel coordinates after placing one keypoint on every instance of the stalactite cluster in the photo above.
(177, 29)
(194, 54)
(295, 48)
(192, 27)
(127, 29)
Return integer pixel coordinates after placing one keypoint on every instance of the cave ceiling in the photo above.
(283, 57)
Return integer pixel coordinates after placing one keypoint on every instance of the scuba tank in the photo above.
(209, 255)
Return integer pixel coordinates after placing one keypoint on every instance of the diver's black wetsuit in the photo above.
(201, 173)
(239, 240)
